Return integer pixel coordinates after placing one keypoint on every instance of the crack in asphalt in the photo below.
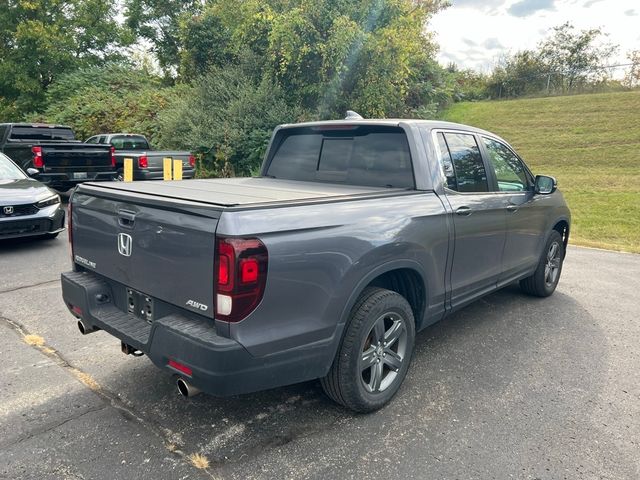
(48, 428)
(14, 289)
(110, 398)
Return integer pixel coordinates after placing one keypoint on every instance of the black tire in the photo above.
(349, 381)
(50, 236)
(545, 279)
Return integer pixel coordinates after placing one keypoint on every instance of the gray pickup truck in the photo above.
(147, 162)
(357, 234)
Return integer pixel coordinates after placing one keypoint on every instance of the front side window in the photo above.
(460, 151)
(510, 172)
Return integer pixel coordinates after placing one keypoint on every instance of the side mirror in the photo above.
(32, 172)
(545, 185)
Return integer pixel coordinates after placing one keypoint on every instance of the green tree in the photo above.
(632, 77)
(326, 55)
(41, 40)
(227, 118)
(113, 98)
(158, 22)
(575, 57)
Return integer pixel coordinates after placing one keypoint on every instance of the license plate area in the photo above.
(140, 305)
(79, 175)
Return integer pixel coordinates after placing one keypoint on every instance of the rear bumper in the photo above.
(220, 366)
(65, 180)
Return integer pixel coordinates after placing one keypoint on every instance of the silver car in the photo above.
(27, 207)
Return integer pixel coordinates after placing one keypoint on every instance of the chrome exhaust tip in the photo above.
(186, 389)
(86, 330)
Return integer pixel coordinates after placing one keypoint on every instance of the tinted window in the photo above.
(92, 140)
(29, 132)
(374, 156)
(510, 172)
(129, 142)
(470, 174)
(3, 129)
(446, 163)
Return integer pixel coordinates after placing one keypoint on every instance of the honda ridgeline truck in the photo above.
(356, 235)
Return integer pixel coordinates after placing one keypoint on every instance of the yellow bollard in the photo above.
(177, 169)
(128, 169)
(166, 164)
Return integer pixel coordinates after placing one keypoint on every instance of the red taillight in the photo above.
(143, 161)
(192, 161)
(38, 162)
(113, 156)
(241, 274)
(180, 367)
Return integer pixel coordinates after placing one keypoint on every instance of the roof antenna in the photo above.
(351, 115)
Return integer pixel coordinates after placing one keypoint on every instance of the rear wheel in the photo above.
(375, 353)
(545, 279)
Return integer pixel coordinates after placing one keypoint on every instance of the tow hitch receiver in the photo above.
(129, 350)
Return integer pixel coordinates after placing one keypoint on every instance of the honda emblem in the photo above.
(125, 242)
(8, 210)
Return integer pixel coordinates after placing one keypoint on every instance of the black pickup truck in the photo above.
(61, 160)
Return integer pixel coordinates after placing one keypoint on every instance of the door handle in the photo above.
(512, 208)
(464, 211)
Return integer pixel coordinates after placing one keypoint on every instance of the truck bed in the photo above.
(239, 192)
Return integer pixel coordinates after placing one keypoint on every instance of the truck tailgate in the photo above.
(72, 155)
(159, 249)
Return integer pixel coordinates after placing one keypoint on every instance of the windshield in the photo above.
(9, 170)
(129, 142)
(366, 155)
(41, 132)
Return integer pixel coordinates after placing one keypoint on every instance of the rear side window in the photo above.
(469, 174)
(375, 156)
(510, 172)
(30, 132)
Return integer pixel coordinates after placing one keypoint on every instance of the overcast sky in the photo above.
(473, 33)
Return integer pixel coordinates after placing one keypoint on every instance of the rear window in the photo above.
(129, 142)
(374, 156)
(31, 132)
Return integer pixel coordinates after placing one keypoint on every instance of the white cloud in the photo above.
(475, 33)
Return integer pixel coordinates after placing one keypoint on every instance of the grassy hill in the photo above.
(590, 143)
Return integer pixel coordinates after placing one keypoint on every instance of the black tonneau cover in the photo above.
(233, 192)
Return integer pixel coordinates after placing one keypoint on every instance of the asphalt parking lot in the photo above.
(510, 387)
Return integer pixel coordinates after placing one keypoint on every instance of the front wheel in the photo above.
(545, 279)
(375, 353)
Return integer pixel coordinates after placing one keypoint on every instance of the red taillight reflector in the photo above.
(77, 310)
(180, 367)
(113, 156)
(249, 270)
(143, 161)
(192, 160)
(38, 162)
